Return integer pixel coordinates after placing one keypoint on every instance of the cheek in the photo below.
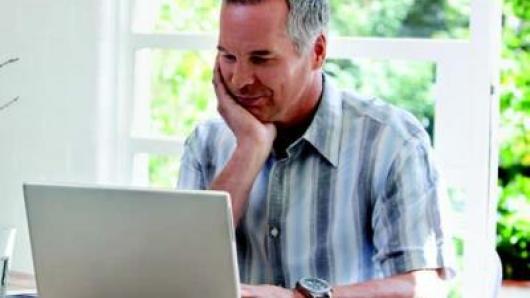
(274, 79)
(226, 70)
(267, 78)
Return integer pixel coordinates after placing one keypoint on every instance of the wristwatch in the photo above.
(312, 287)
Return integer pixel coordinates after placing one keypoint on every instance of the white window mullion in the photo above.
(453, 129)
(415, 49)
(182, 41)
(125, 92)
(480, 241)
(156, 145)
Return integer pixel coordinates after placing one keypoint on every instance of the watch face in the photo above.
(315, 285)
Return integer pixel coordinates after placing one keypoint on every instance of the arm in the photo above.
(409, 230)
(254, 143)
(421, 283)
(238, 175)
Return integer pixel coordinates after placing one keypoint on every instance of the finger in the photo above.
(215, 79)
(218, 82)
(225, 102)
(247, 291)
(220, 92)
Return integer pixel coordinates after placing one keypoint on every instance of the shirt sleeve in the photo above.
(409, 222)
(191, 174)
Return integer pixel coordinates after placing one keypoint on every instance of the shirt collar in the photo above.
(324, 132)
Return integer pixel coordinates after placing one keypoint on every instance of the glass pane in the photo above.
(381, 18)
(170, 16)
(402, 83)
(457, 199)
(160, 171)
(401, 18)
(163, 170)
(513, 225)
(179, 92)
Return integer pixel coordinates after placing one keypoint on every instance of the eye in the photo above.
(229, 58)
(258, 60)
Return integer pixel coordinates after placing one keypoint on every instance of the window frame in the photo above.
(466, 115)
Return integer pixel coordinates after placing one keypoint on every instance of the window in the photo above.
(434, 58)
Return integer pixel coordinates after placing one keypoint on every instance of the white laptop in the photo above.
(106, 242)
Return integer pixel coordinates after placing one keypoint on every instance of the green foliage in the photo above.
(391, 77)
(182, 95)
(515, 83)
(437, 18)
(181, 91)
(404, 18)
(385, 18)
(189, 16)
(163, 171)
(513, 228)
(368, 18)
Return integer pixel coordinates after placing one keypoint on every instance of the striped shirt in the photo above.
(356, 198)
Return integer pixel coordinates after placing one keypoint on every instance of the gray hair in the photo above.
(307, 19)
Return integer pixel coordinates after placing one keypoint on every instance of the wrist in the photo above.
(310, 287)
(297, 294)
(258, 139)
(253, 149)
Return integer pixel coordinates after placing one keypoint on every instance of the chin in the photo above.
(261, 115)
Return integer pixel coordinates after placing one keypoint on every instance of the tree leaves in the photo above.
(513, 227)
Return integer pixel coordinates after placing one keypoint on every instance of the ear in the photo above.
(319, 51)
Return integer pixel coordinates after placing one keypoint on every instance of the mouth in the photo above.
(250, 102)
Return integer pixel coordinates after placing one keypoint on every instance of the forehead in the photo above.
(247, 27)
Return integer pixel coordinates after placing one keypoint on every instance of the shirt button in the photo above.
(274, 232)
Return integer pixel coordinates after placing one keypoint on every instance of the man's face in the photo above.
(260, 64)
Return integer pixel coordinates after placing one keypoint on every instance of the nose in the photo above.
(242, 76)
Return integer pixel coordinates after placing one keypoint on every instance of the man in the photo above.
(327, 188)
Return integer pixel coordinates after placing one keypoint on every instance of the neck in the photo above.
(290, 132)
(303, 114)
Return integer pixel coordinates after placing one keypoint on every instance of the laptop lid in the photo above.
(92, 241)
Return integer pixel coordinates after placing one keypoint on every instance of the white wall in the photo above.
(61, 129)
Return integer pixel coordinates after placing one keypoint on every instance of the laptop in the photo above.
(103, 242)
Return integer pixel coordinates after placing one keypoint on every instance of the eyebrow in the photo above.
(261, 53)
(253, 53)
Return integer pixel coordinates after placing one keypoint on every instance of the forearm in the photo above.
(414, 284)
(239, 175)
(377, 288)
